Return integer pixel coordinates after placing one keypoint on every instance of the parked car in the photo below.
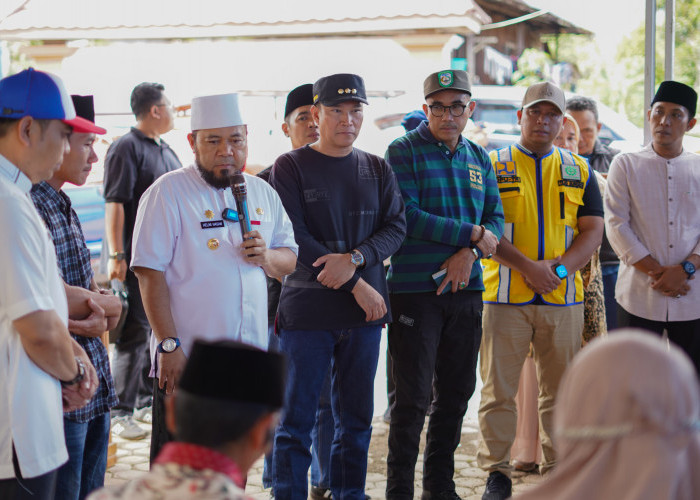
(89, 204)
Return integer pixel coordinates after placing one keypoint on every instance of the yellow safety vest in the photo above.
(541, 198)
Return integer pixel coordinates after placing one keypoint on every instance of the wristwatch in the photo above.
(117, 256)
(689, 268)
(357, 259)
(169, 344)
(560, 271)
(80, 376)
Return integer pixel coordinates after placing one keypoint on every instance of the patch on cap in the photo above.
(445, 78)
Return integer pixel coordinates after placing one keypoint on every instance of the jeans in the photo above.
(321, 435)
(131, 362)
(84, 472)
(322, 438)
(434, 343)
(352, 355)
(609, 282)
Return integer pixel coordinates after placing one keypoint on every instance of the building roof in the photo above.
(546, 23)
(167, 19)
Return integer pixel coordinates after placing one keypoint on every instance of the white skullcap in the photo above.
(215, 111)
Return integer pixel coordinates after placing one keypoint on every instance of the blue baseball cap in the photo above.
(43, 97)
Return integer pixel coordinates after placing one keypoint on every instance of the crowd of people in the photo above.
(256, 304)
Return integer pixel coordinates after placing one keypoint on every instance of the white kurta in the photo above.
(31, 412)
(651, 208)
(214, 293)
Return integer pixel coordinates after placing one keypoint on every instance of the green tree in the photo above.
(630, 57)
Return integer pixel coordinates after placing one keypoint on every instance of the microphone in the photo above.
(240, 194)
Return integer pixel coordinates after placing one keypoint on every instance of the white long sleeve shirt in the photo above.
(652, 207)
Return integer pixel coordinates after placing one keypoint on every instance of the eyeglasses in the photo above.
(456, 109)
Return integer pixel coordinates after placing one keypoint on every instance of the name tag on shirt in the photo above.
(211, 224)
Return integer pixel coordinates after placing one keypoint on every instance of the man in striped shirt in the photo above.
(454, 217)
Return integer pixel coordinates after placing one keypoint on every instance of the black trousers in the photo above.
(685, 334)
(159, 432)
(434, 343)
(36, 488)
(131, 363)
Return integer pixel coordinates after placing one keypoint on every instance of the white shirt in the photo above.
(651, 208)
(214, 293)
(31, 411)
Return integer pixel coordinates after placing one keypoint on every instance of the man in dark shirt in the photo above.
(86, 429)
(348, 216)
(454, 217)
(599, 156)
(133, 163)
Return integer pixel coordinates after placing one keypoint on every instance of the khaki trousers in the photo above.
(555, 333)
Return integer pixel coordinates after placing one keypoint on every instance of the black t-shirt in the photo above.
(133, 163)
(336, 205)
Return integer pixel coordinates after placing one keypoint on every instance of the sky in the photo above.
(610, 20)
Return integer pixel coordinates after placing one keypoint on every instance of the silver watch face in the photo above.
(169, 345)
(356, 258)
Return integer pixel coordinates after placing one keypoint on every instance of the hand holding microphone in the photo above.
(253, 243)
(240, 194)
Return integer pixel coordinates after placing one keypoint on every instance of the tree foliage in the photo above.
(630, 57)
(619, 85)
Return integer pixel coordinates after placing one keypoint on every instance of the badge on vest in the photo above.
(571, 172)
(506, 168)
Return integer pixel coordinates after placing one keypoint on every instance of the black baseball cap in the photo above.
(334, 89)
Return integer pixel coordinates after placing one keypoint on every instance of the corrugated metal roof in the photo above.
(68, 18)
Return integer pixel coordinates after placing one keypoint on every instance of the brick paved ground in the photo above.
(132, 461)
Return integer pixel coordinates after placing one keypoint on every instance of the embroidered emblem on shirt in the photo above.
(209, 214)
(476, 180)
(406, 320)
(368, 172)
(213, 244)
(505, 168)
(259, 211)
(311, 195)
(209, 224)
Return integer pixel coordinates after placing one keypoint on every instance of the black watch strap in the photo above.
(79, 377)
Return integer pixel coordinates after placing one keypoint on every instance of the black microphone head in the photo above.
(238, 185)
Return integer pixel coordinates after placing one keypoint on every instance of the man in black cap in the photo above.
(221, 428)
(348, 217)
(86, 429)
(454, 217)
(653, 222)
(301, 129)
